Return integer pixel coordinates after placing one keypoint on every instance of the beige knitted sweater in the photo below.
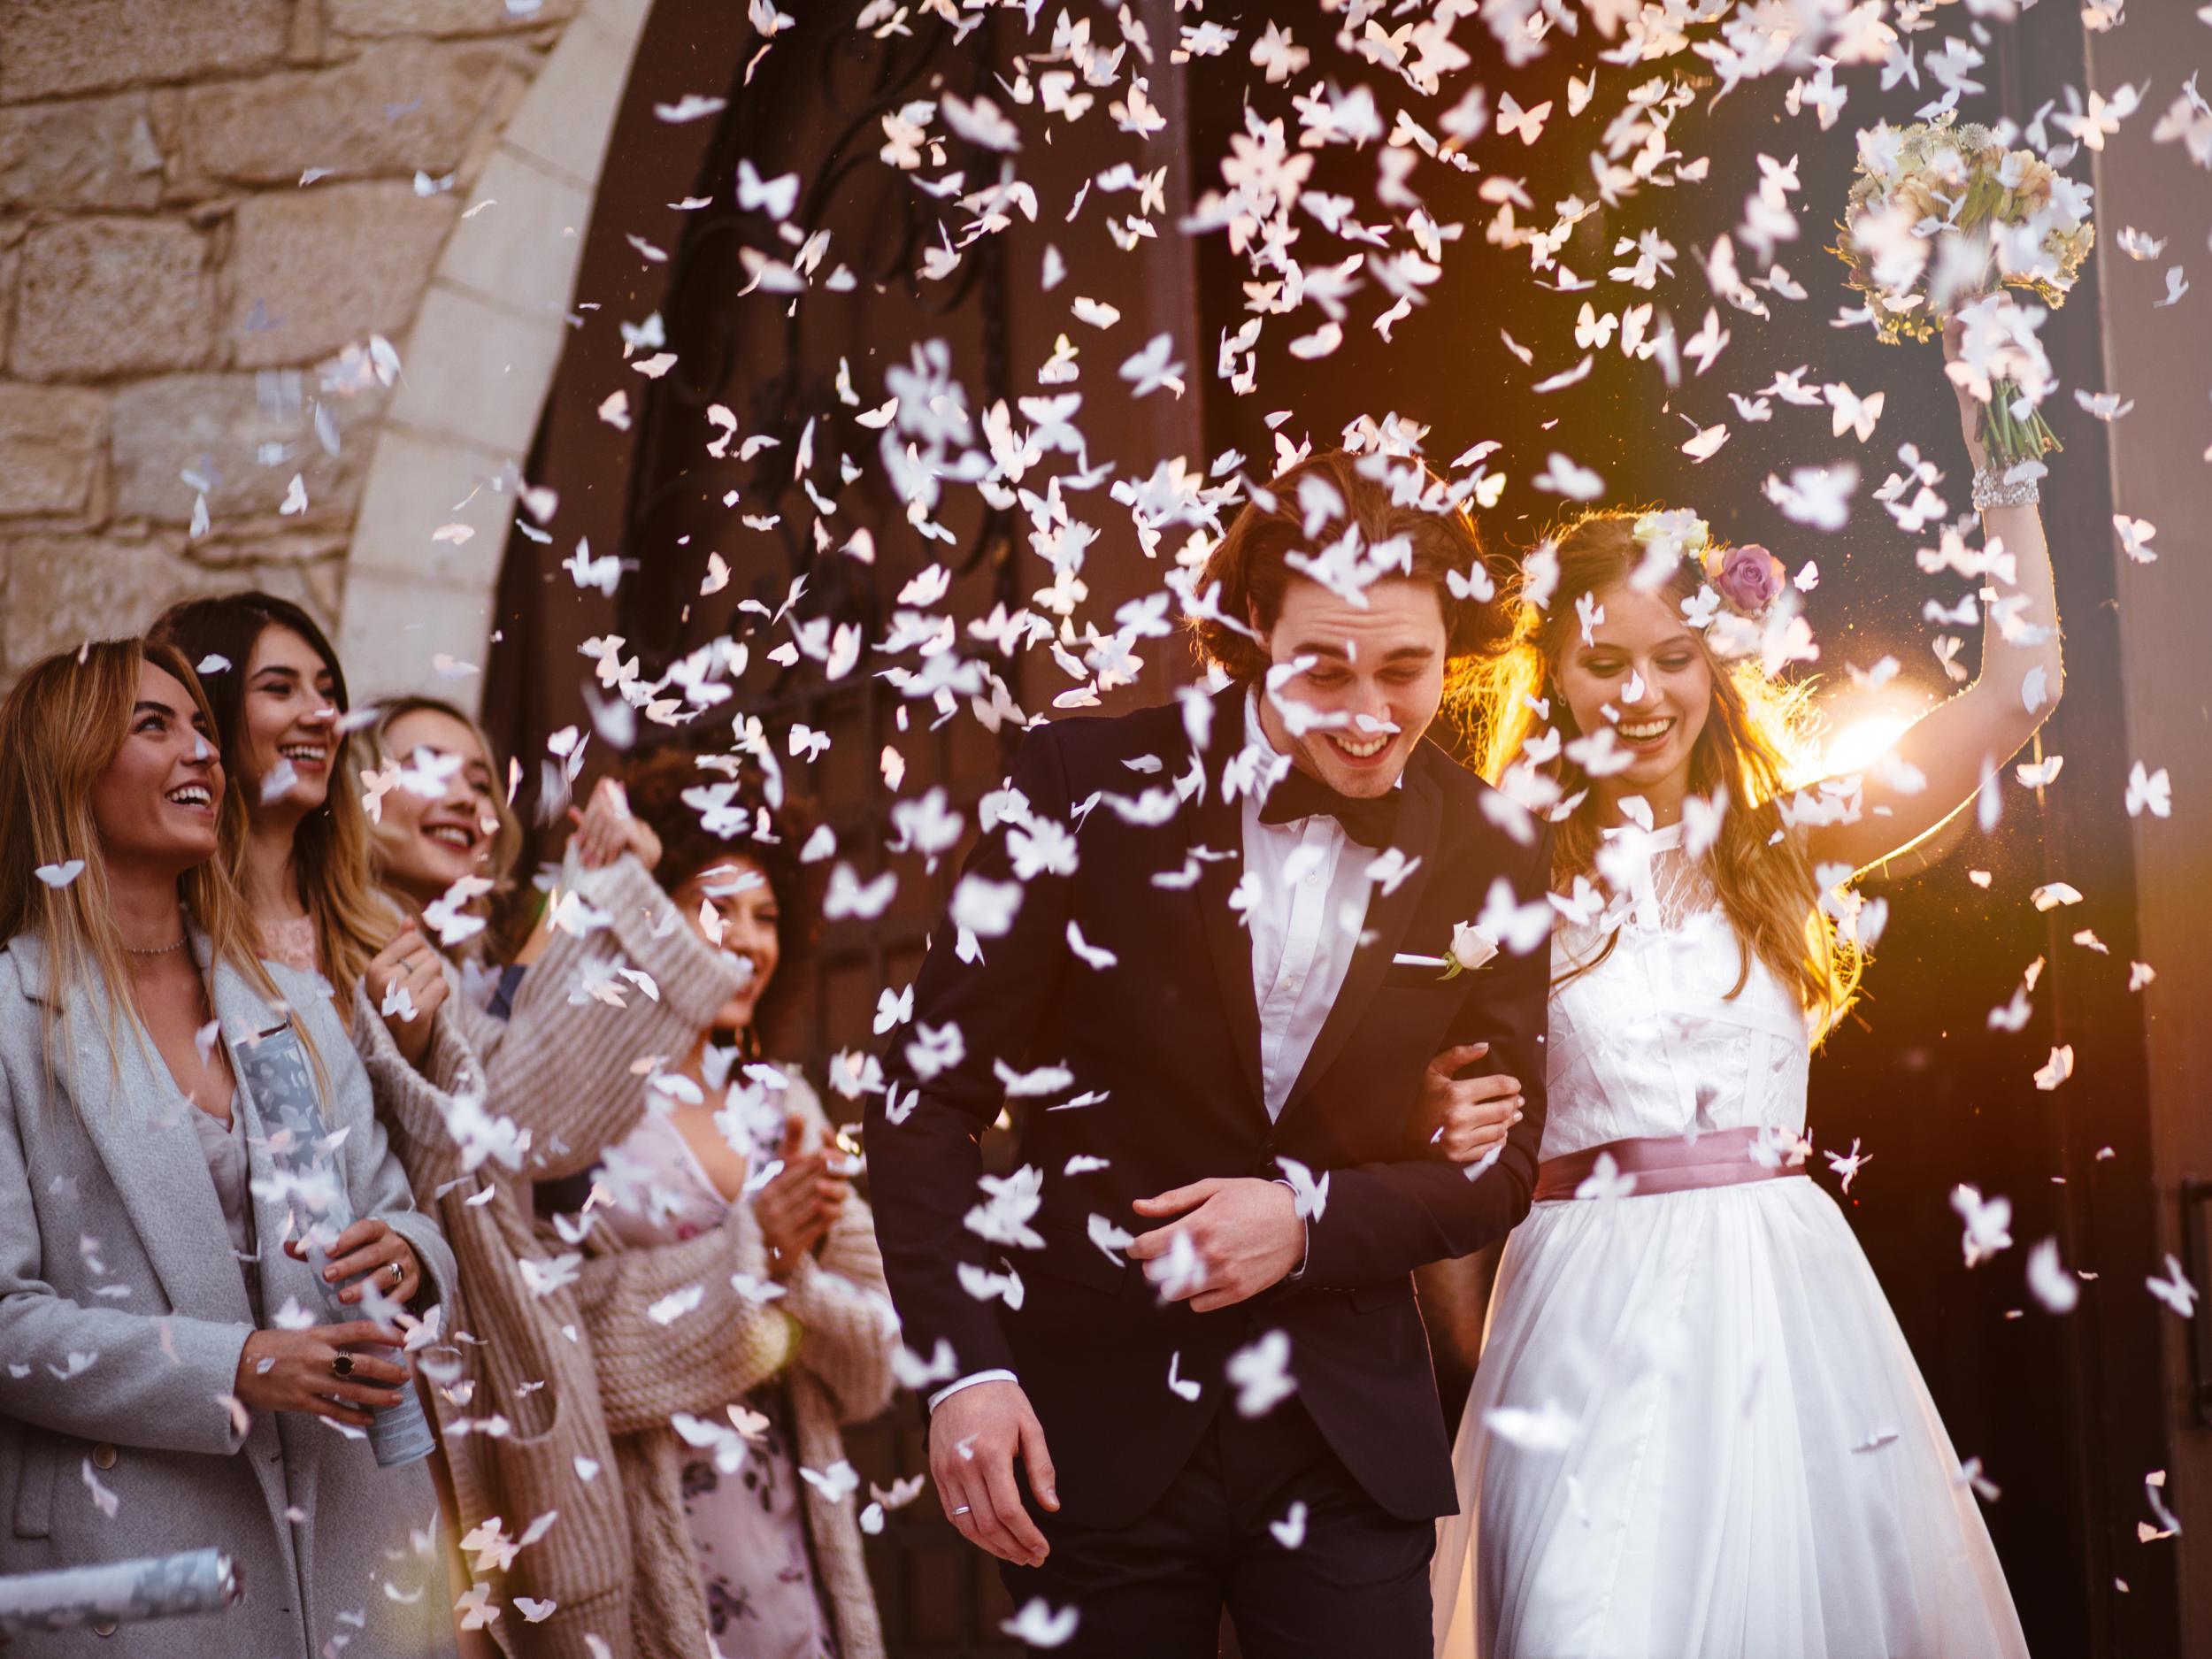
(566, 1387)
(839, 1311)
(523, 1427)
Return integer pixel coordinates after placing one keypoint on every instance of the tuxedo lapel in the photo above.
(1217, 825)
(1389, 915)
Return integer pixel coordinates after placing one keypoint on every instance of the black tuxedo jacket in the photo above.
(1168, 1037)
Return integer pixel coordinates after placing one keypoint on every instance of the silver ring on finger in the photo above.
(963, 1510)
(399, 1273)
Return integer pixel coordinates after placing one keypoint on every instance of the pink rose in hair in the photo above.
(1748, 579)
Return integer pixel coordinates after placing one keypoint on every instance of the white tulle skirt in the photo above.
(1716, 1443)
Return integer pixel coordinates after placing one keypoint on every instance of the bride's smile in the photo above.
(1644, 676)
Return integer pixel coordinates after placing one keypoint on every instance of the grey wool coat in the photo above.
(123, 1310)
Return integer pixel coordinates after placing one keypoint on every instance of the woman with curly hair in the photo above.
(1696, 1427)
(736, 1139)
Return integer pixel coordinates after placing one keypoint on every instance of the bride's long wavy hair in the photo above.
(1755, 745)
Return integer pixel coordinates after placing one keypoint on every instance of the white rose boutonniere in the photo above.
(1471, 948)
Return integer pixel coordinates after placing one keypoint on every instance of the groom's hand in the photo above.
(1246, 1234)
(973, 1437)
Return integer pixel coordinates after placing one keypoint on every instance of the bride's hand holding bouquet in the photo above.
(1940, 222)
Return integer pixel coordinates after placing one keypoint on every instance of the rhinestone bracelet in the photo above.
(1991, 490)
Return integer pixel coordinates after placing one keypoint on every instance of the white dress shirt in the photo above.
(1307, 886)
(1309, 902)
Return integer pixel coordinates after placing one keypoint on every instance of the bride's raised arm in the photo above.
(1936, 765)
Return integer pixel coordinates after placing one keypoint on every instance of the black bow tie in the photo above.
(1370, 820)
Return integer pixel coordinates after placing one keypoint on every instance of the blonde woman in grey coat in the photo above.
(173, 1378)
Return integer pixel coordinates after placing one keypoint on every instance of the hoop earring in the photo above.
(1563, 714)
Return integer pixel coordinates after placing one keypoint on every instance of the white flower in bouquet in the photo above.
(1939, 218)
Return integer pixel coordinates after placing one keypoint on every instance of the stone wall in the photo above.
(207, 210)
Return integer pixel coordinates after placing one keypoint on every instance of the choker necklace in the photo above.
(163, 951)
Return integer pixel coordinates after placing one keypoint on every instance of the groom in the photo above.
(1183, 1365)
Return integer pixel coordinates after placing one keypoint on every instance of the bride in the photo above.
(1696, 1428)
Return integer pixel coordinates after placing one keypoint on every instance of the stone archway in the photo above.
(423, 559)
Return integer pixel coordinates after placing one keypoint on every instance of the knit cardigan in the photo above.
(836, 1311)
(524, 1426)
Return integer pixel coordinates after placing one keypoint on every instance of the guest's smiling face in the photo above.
(291, 724)
(429, 843)
(159, 800)
(736, 892)
(1371, 678)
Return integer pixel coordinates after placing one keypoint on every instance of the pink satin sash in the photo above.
(1666, 1164)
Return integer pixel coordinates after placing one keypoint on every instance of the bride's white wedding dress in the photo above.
(1714, 1443)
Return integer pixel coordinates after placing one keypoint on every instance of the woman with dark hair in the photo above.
(279, 694)
(757, 883)
(733, 1141)
(161, 1089)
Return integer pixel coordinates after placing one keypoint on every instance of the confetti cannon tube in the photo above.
(154, 1587)
(282, 1081)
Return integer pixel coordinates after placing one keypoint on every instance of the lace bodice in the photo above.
(1648, 1043)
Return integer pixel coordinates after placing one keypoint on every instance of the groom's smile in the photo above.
(1354, 687)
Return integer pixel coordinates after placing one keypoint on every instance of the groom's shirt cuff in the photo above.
(969, 1381)
(1304, 1256)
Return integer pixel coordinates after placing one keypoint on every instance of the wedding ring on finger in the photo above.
(963, 1510)
(399, 1274)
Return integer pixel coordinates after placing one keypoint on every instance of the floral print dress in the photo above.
(755, 1557)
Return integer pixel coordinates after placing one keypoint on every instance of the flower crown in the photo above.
(1747, 579)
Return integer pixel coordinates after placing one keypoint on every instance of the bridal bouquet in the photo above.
(1939, 215)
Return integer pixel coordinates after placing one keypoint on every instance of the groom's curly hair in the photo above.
(1383, 496)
